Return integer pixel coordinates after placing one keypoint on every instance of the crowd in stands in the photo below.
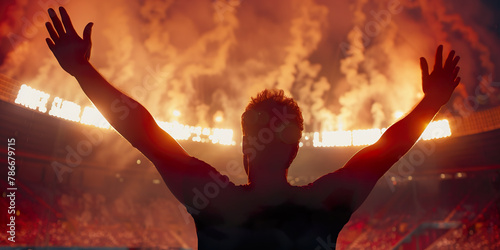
(77, 217)
(93, 220)
(472, 204)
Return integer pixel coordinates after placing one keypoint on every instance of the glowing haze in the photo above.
(349, 64)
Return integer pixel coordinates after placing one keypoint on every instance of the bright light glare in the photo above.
(398, 114)
(65, 109)
(365, 136)
(176, 130)
(32, 98)
(36, 99)
(218, 116)
(184, 132)
(222, 136)
(92, 116)
(336, 138)
(436, 130)
(316, 141)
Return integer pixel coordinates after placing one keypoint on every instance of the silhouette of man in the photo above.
(267, 212)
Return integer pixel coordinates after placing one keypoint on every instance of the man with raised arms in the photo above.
(267, 212)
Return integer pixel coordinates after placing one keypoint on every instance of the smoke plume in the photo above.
(349, 65)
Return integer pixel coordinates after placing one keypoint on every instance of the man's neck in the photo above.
(267, 180)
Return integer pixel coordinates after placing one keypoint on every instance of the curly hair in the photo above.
(258, 111)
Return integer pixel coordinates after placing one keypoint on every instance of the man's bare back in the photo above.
(266, 213)
(228, 216)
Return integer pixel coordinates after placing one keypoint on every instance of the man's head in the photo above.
(272, 126)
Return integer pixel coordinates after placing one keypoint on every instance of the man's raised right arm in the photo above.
(126, 115)
(183, 174)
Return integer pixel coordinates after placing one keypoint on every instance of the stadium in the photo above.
(78, 184)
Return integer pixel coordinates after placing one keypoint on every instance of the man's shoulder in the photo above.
(183, 163)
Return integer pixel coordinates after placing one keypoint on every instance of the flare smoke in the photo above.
(348, 64)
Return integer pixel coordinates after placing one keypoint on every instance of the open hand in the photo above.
(70, 50)
(441, 82)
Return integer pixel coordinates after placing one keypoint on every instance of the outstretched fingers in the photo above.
(448, 63)
(57, 23)
(439, 58)
(50, 44)
(52, 32)
(87, 32)
(425, 67)
(455, 72)
(455, 62)
(66, 21)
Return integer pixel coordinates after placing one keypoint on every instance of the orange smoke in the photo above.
(350, 65)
